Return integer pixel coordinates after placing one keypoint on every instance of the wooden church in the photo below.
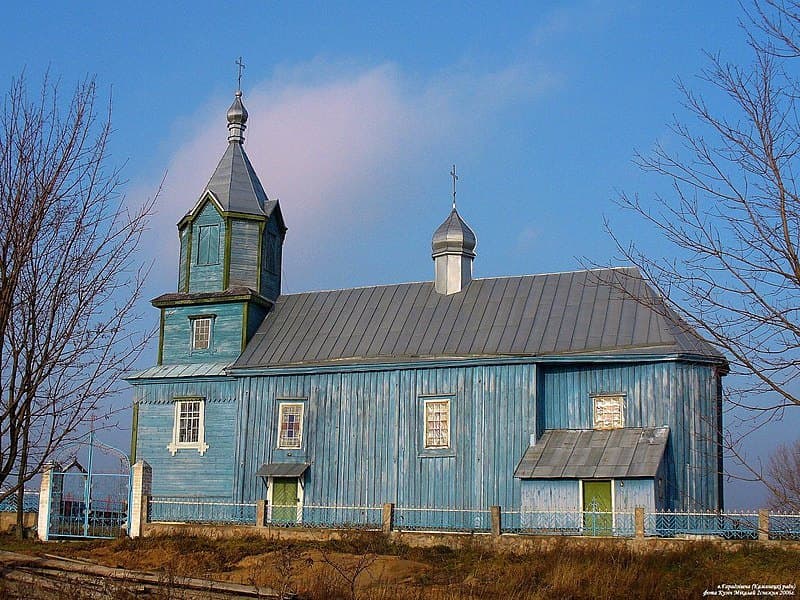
(550, 392)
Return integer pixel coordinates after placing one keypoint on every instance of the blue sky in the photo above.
(357, 113)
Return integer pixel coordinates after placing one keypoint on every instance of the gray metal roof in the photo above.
(236, 186)
(282, 469)
(595, 454)
(190, 370)
(582, 312)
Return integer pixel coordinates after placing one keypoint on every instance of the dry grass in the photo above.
(370, 567)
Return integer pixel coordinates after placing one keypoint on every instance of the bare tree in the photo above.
(783, 474)
(69, 279)
(732, 218)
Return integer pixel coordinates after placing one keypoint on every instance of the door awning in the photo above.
(282, 469)
(595, 454)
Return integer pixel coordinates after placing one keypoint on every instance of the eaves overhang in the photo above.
(238, 294)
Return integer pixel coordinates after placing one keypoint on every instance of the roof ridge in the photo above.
(377, 285)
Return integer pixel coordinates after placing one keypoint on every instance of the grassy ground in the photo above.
(368, 566)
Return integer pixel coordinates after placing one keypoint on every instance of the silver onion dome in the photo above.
(454, 236)
(237, 119)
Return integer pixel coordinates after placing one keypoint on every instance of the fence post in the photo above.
(141, 488)
(638, 521)
(763, 524)
(261, 513)
(496, 520)
(45, 489)
(387, 517)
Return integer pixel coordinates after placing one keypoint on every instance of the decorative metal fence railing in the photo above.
(332, 517)
(30, 502)
(740, 526)
(413, 518)
(200, 510)
(594, 523)
(730, 525)
(784, 526)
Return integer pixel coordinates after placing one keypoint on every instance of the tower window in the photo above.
(208, 245)
(201, 333)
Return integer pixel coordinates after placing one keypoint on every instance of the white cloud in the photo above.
(329, 139)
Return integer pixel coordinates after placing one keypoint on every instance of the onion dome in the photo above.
(454, 236)
(237, 119)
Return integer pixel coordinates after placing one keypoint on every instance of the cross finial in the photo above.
(240, 64)
(455, 178)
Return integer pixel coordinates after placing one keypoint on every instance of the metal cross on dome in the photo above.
(455, 178)
(240, 64)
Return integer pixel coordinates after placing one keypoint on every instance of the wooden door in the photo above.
(284, 500)
(598, 518)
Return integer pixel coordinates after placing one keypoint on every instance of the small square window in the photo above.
(188, 430)
(608, 412)
(201, 334)
(437, 423)
(290, 425)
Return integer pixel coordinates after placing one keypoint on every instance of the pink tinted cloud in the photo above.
(323, 139)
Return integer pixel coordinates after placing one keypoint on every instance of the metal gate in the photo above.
(84, 504)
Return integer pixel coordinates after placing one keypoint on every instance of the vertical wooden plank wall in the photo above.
(207, 278)
(682, 396)
(226, 335)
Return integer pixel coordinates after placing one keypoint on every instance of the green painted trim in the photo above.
(189, 243)
(261, 228)
(134, 431)
(471, 362)
(245, 311)
(226, 259)
(258, 299)
(161, 338)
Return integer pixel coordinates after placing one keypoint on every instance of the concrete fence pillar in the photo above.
(497, 525)
(638, 521)
(261, 513)
(141, 490)
(763, 524)
(387, 517)
(47, 488)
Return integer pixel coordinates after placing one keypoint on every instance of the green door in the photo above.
(597, 516)
(284, 500)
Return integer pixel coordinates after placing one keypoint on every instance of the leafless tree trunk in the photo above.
(733, 217)
(69, 278)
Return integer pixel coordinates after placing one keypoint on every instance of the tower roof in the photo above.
(454, 236)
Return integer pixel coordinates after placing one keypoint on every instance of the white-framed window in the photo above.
(290, 425)
(201, 333)
(608, 412)
(437, 423)
(188, 428)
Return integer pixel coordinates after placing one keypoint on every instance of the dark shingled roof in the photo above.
(583, 312)
(595, 454)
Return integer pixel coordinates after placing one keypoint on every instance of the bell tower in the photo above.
(229, 272)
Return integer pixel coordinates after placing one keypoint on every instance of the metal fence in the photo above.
(737, 526)
(664, 524)
(30, 502)
(417, 518)
(200, 510)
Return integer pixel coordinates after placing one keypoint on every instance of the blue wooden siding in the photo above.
(271, 257)
(183, 273)
(226, 334)
(551, 495)
(255, 316)
(682, 396)
(630, 493)
(188, 473)
(244, 250)
(207, 278)
(363, 435)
